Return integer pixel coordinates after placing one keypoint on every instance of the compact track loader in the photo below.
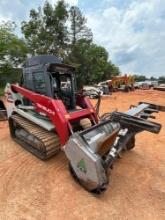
(48, 114)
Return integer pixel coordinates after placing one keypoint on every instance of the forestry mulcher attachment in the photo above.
(48, 114)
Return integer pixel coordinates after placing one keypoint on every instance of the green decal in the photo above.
(81, 165)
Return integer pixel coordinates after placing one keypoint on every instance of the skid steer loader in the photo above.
(47, 114)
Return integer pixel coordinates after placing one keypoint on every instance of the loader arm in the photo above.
(56, 111)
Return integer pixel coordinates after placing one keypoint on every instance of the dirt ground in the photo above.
(35, 190)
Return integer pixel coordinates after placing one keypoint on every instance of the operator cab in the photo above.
(62, 83)
(45, 74)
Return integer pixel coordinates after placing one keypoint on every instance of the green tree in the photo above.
(110, 71)
(153, 78)
(46, 31)
(63, 31)
(140, 78)
(13, 51)
(162, 79)
(78, 28)
(92, 63)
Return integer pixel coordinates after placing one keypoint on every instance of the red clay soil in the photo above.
(35, 190)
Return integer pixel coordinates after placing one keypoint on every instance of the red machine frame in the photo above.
(56, 111)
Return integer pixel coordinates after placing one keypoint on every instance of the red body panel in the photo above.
(56, 110)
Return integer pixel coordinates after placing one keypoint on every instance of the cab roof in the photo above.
(54, 62)
(42, 59)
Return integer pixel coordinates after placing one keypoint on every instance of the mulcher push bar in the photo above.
(154, 107)
(134, 123)
(135, 118)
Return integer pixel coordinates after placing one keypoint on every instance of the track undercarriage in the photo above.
(38, 141)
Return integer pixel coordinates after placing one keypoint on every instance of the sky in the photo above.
(132, 31)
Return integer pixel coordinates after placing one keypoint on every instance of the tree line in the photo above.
(141, 78)
(59, 30)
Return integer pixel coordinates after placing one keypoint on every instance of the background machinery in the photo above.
(123, 83)
(48, 114)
